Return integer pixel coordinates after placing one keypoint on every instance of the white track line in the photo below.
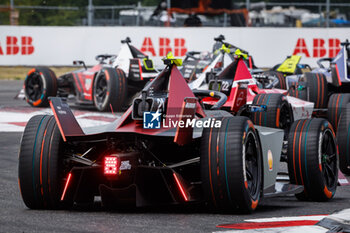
(342, 217)
(292, 218)
(308, 229)
(13, 120)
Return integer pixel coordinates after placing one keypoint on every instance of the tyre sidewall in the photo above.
(304, 158)
(49, 82)
(343, 139)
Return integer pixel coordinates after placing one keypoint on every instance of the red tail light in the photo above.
(66, 186)
(111, 165)
(180, 187)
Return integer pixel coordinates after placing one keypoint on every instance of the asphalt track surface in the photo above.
(16, 217)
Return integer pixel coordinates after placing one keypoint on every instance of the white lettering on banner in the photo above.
(31, 46)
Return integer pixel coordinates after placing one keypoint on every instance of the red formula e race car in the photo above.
(109, 85)
(237, 76)
(168, 148)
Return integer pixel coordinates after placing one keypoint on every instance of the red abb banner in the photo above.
(319, 47)
(14, 45)
(165, 46)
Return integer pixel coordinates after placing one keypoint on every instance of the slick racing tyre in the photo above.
(278, 113)
(40, 83)
(312, 87)
(336, 105)
(313, 159)
(281, 79)
(109, 90)
(343, 139)
(231, 165)
(40, 168)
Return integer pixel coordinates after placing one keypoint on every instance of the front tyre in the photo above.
(336, 106)
(278, 113)
(343, 139)
(280, 77)
(313, 159)
(312, 87)
(41, 175)
(231, 166)
(39, 85)
(110, 89)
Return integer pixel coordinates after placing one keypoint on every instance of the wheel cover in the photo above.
(328, 157)
(101, 89)
(252, 168)
(34, 86)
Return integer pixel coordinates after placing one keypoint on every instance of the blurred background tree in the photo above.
(78, 17)
(59, 17)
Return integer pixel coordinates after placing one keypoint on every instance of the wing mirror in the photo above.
(78, 62)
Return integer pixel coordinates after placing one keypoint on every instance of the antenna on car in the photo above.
(127, 40)
(220, 38)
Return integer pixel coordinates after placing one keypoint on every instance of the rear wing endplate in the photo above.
(289, 65)
(65, 119)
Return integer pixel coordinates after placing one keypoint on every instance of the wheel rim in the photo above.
(252, 167)
(328, 157)
(101, 89)
(285, 117)
(34, 86)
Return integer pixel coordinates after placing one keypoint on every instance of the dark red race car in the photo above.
(168, 148)
(109, 85)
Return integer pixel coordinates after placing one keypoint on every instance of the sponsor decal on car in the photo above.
(270, 159)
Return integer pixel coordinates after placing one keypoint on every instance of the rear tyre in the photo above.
(40, 83)
(278, 113)
(336, 105)
(40, 169)
(316, 83)
(343, 139)
(313, 159)
(110, 90)
(231, 166)
(281, 79)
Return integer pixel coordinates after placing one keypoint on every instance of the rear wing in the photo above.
(339, 68)
(289, 65)
(65, 119)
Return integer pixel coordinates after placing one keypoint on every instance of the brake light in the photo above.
(111, 165)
